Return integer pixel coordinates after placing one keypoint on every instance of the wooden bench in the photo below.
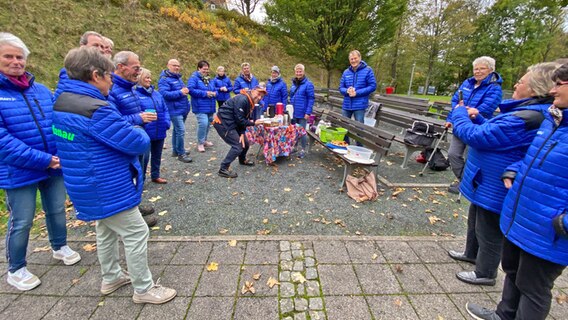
(410, 105)
(375, 139)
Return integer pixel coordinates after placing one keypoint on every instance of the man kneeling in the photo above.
(98, 151)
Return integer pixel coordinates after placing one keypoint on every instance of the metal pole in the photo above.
(411, 78)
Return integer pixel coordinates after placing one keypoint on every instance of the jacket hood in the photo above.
(493, 77)
(121, 82)
(362, 65)
(167, 73)
(6, 83)
(511, 104)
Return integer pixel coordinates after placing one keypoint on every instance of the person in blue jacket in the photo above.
(28, 163)
(277, 89)
(246, 81)
(534, 219)
(152, 101)
(482, 92)
(302, 97)
(174, 91)
(494, 144)
(357, 83)
(99, 152)
(223, 86)
(203, 94)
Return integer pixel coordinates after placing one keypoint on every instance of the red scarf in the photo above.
(21, 82)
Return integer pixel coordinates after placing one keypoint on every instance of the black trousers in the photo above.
(527, 292)
(484, 241)
(231, 137)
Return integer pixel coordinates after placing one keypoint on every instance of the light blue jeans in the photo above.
(203, 122)
(359, 116)
(22, 205)
(303, 140)
(178, 122)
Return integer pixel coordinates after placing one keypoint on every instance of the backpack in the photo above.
(438, 161)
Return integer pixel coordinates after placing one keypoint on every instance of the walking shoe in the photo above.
(247, 163)
(185, 159)
(480, 313)
(208, 144)
(155, 295)
(175, 154)
(23, 280)
(226, 173)
(301, 154)
(146, 210)
(150, 220)
(460, 256)
(471, 278)
(201, 148)
(66, 254)
(454, 188)
(160, 181)
(108, 288)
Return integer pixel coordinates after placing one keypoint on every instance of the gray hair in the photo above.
(122, 57)
(143, 73)
(486, 61)
(220, 68)
(85, 37)
(540, 77)
(355, 52)
(81, 62)
(245, 64)
(300, 66)
(109, 41)
(11, 40)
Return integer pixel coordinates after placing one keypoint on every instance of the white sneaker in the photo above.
(23, 280)
(66, 254)
(155, 295)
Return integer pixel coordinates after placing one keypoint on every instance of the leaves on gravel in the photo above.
(248, 287)
(90, 247)
(42, 249)
(213, 266)
(272, 282)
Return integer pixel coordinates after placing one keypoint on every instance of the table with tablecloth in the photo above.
(275, 141)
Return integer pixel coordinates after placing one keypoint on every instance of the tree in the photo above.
(324, 31)
(246, 7)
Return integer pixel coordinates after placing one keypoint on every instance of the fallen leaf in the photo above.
(274, 211)
(248, 287)
(355, 206)
(562, 299)
(42, 249)
(297, 277)
(398, 302)
(398, 268)
(434, 219)
(272, 282)
(413, 176)
(256, 276)
(440, 317)
(208, 174)
(455, 215)
(232, 243)
(263, 232)
(74, 281)
(358, 233)
(213, 266)
(311, 199)
(223, 231)
(90, 234)
(212, 159)
(168, 227)
(196, 175)
(285, 212)
(90, 247)
(435, 202)
(154, 199)
(374, 256)
(265, 200)
(428, 211)
(161, 213)
(155, 228)
(397, 191)
(234, 194)
(189, 181)
(287, 189)
(389, 163)
(100, 304)
(339, 222)
(265, 221)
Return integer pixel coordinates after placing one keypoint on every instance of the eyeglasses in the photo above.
(480, 69)
(559, 84)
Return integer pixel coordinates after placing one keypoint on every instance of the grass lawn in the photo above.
(429, 97)
(39, 221)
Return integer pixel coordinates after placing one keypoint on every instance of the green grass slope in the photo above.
(51, 27)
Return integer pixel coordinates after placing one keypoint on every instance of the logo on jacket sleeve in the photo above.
(62, 133)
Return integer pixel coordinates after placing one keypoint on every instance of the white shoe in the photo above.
(155, 295)
(66, 254)
(23, 280)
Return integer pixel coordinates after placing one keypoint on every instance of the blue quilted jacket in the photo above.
(152, 99)
(485, 98)
(223, 82)
(200, 103)
(169, 86)
(241, 83)
(26, 141)
(277, 92)
(539, 194)
(99, 152)
(363, 80)
(495, 144)
(302, 97)
(122, 95)
(59, 88)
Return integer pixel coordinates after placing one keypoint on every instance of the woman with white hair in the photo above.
(223, 86)
(28, 163)
(482, 92)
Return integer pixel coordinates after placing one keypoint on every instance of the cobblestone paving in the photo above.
(333, 278)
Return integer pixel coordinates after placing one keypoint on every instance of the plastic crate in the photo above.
(332, 133)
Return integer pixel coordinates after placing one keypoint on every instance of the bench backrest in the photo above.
(411, 105)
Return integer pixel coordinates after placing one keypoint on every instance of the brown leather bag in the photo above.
(362, 189)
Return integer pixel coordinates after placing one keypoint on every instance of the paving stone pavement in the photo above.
(312, 277)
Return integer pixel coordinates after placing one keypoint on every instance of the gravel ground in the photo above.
(295, 197)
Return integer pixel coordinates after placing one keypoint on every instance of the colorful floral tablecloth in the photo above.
(277, 141)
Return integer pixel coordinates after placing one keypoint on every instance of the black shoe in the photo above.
(226, 173)
(460, 256)
(454, 188)
(175, 154)
(185, 159)
(471, 278)
(146, 210)
(150, 220)
(480, 313)
(247, 163)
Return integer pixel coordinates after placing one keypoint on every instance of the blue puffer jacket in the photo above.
(277, 92)
(59, 89)
(122, 95)
(99, 152)
(152, 99)
(26, 141)
(302, 97)
(169, 86)
(200, 103)
(484, 98)
(363, 80)
(495, 144)
(539, 194)
(223, 82)
(241, 83)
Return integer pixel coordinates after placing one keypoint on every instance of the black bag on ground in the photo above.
(421, 134)
(438, 161)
